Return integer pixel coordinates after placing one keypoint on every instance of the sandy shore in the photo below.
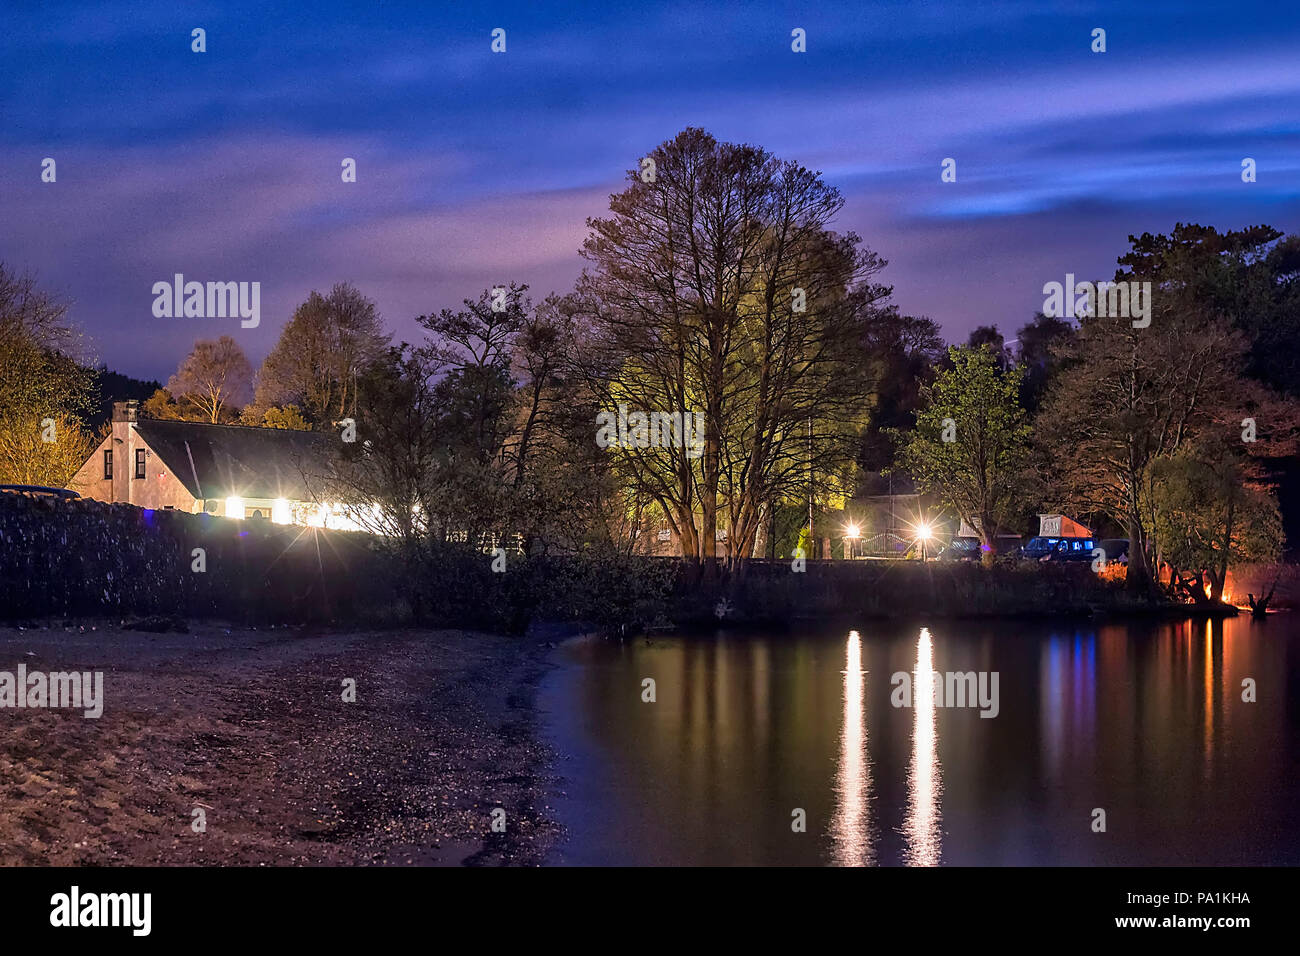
(250, 726)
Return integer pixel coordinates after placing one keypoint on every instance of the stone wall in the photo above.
(83, 557)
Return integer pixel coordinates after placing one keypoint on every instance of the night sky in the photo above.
(476, 169)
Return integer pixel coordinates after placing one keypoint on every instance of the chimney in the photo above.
(123, 448)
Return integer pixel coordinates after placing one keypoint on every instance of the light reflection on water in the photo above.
(1146, 721)
(851, 825)
(924, 782)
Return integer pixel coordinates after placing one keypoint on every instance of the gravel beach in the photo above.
(250, 727)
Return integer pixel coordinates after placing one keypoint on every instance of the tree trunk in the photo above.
(1137, 578)
(1259, 608)
(1219, 573)
(988, 540)
(709, 509)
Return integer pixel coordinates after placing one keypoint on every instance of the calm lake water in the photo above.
(1144, 721)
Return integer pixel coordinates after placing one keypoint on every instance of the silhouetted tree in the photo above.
(990, 336)
(717, 286)
(1039, 347)
(323, 350)
(215, 376)
(905, 352)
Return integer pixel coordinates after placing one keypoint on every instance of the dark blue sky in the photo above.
(476, 168)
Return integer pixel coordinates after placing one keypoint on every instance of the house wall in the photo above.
(160, 488)
(89, 481)
(249, 505)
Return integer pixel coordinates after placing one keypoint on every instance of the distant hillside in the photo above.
(113, 387)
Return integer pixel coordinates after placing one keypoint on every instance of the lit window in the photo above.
(281, 513)
(139, 462)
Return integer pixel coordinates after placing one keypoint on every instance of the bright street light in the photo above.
(851, 532)
(923, 534)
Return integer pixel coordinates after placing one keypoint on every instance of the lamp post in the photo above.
(924, 533)
(851, 534)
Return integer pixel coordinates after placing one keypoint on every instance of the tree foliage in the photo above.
(1040, 345)
(40, 380)
(322, 353)
(905, 352)
(971, 443)
(1207, 514)
(1129, 397)
(286, 417)
(1249, 277)
(46, 452)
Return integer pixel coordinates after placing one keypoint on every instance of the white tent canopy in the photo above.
(1059, 526)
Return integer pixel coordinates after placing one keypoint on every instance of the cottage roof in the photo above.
(217, 461)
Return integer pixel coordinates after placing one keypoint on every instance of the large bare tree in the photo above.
(718, 287)
(215, 377)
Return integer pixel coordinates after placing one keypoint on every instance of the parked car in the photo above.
(1116, 550)
(967, 548)
(1058, 549)
(38, 491)
(961, 549)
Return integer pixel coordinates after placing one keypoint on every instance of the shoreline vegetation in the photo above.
(770, 595)
(728, 377)
(84, 559)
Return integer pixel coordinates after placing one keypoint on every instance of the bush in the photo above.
(610, 591)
